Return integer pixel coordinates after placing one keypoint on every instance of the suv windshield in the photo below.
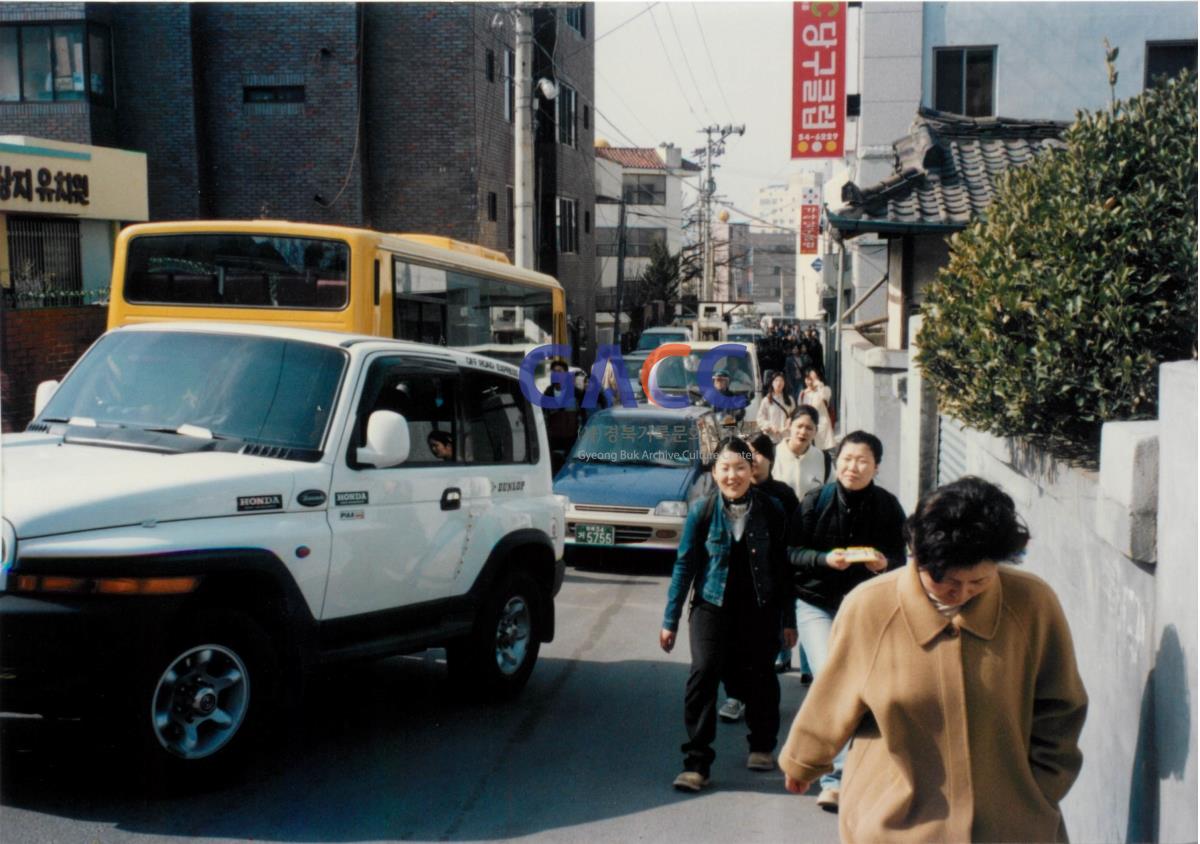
(260, 390)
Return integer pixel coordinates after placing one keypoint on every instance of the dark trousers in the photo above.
(733, 641)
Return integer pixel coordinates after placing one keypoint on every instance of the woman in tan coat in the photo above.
(956, 678)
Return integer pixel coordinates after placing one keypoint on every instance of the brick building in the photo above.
(394, 116)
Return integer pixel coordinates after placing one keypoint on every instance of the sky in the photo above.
(664, 74)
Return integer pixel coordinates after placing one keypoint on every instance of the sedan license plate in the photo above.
(595, 534)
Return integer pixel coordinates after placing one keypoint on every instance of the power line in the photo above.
(671, 65)
(688, 64)
(649, 6)
(627, 108)
(759, 219)
(711, 64)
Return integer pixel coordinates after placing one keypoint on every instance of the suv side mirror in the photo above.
(387, 440)
(45, 391)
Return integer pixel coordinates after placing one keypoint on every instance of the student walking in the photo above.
(844, 534)
(732, 561)
(956, 677)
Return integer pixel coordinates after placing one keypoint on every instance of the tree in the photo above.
(1056, 309)
(659, 281)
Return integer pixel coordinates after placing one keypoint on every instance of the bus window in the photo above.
(237, 269)
(464, 310)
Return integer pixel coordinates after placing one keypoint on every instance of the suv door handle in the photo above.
(452, 498)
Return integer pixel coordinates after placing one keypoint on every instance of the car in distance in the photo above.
(678, 374)
(745, 335)
(652, 338)
(632, 474)
(200, 513)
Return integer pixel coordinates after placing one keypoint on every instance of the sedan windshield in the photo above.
(255, 389)
(644, 442)
(678, 374)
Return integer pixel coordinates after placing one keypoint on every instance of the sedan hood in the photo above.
(54, 488)
(631, 486)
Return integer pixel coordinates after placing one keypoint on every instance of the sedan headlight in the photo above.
(678, 509)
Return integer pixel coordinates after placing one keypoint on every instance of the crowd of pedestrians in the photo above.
(944, 681)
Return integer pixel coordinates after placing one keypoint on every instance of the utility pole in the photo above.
(620, 269)
(714, 146)
(523, 126)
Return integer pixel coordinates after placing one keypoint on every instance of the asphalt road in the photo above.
(387, 752)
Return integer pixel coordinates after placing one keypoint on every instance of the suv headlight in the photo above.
(677, 509)
(8, 544)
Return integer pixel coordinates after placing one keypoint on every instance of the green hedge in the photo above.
(1054, 312)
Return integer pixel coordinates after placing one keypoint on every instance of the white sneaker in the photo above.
(828, 799)
(731, 710)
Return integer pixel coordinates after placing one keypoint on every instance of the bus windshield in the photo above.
(246, 270)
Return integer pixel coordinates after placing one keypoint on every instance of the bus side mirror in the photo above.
(45, 391)
(388, 442)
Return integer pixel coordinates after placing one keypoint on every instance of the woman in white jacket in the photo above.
(776, 409)
(816, 394)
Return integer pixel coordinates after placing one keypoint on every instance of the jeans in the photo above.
(737, 641)
(813, 625)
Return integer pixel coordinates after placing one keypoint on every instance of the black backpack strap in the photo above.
(825, 497)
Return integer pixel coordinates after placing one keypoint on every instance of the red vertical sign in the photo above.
(810, 220)
(818, 79)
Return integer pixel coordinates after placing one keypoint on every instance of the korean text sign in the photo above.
(818, 79)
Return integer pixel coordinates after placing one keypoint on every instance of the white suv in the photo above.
(200, 512)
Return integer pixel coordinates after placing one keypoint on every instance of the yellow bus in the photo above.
(414, 287)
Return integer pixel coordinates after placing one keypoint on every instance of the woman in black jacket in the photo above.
(844, 533)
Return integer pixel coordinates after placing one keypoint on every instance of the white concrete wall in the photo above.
(1108, 600)
(1050, 56)
(1174, 640)
(869, 401)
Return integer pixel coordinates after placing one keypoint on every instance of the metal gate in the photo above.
(952, 450)
(44, 260)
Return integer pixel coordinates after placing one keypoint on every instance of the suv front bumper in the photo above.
(63, 655)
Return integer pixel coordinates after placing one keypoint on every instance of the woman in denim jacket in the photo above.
(733, 559)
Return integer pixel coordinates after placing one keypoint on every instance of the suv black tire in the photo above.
(207, 697)
(495, 661)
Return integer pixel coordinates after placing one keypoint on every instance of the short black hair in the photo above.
(863, 438)
(442, 437)
(806, 410)
(962, 524)
(559, 363)
(761, 443)
(735, 444)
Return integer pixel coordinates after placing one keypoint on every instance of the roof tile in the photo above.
(947, 169)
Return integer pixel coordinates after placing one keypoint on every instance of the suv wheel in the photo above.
(209, 694)
(500, 654)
